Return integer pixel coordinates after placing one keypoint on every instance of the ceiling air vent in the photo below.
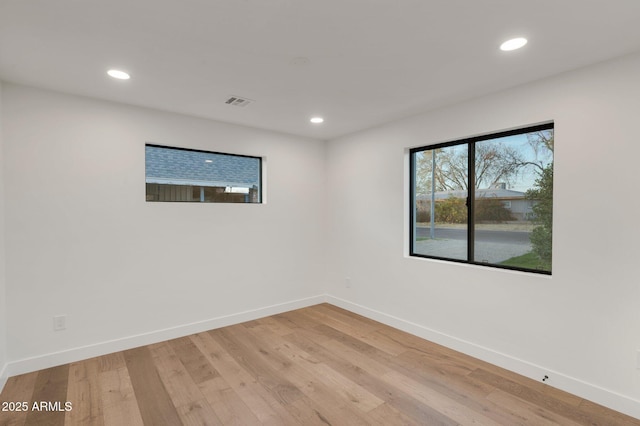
(238, 101)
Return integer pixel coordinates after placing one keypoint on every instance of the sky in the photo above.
(528, 177)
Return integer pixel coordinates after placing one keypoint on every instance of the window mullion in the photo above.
(471, 195)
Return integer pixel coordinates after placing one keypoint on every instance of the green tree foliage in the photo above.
(542, 196)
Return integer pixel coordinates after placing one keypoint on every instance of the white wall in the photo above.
(81, 241)
(3, 308)
(582, 325)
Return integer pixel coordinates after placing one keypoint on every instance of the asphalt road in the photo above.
(482, 235)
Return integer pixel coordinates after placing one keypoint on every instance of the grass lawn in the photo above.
(528, 260)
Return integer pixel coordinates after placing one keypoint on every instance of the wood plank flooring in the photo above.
(315, 366)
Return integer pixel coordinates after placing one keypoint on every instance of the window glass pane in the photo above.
(182, 175)
(513, 195)
(440, 212)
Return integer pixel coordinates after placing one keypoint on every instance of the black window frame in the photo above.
(260, 172)
(470, 202)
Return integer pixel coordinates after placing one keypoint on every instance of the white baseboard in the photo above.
(599, 395)
(77, 354)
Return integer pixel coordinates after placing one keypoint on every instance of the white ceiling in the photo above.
(369, 61)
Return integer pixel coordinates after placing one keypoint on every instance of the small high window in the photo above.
(189, 175)
(485, 200)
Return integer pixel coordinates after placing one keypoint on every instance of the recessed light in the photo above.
(317, 120)
(120, 75)
(513, 44)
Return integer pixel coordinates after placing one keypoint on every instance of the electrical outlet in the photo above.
(59, 322)
(347, 282)
(638, 360)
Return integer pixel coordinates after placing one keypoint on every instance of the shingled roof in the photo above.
(176, 166)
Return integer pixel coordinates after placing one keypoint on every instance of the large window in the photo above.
(485, 200)
(186, 175)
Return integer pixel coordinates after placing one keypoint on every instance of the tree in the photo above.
(541, 143)
(494, 162)
(542, 196)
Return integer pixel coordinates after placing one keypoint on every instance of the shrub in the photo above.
(423, 215)
(491, 210)
(451, 210)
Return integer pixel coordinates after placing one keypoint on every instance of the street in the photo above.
(482, 235)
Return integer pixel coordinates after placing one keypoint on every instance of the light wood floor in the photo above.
(314, 366)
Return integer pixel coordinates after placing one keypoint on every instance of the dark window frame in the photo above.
(470, 202)
(260, 172)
